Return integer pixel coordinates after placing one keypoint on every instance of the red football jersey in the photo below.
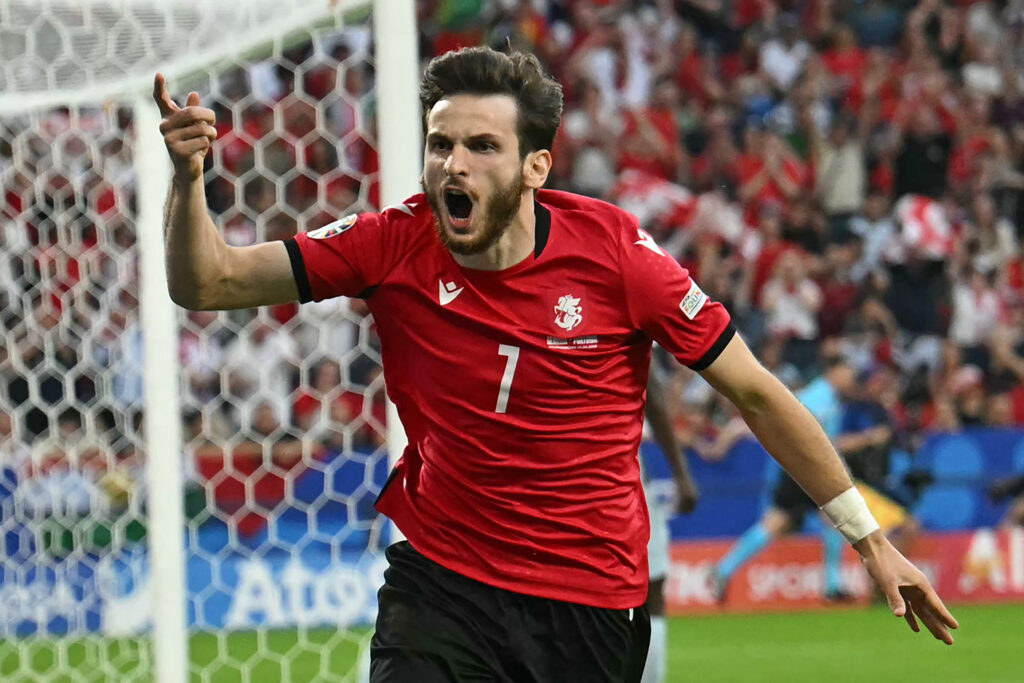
(521, 390)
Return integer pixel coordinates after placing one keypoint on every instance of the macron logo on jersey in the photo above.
(404, 208)
(446, 292)
(647, 242)
(693, 301)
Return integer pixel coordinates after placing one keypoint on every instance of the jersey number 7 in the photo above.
(512, 354)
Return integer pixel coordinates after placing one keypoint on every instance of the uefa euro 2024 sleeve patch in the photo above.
(693, 301)
(335, 228)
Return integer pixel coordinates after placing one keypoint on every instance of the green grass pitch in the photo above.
(838, 645)
(847, 645)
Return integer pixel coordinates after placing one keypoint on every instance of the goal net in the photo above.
(282, 410)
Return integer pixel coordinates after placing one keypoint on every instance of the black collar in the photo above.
(542, 228)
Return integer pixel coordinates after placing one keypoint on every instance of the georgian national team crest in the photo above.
(568, 312)
(335, 228)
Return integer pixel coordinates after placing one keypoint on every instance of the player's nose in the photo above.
(455, 164)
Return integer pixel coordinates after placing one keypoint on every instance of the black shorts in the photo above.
(791, 499)
(435, 625)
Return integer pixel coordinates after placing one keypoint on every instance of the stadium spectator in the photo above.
(587, 142)
(877, 233)
(876, 23)
(714, 167)
(989, 238)
(262, 361)
(840, 169)
(768, 171)
(650, 138)
(1012, 489)
(840, 293)
(783, 57)
(201, 348)
(805, 228)
(922, 163)
(792, 301)
(976, 313)
(324, 378)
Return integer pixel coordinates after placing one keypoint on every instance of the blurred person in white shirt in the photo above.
(783, 57)
(976, 313)
(791, 301)
(261, 360)
(993, 234)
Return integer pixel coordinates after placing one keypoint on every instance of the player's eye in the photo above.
(440, 145)
(484, 147)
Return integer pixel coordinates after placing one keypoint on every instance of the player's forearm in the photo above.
(795, 439)
(195, 249)
(661, 426)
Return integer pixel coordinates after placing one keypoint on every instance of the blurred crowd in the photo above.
(847, 177)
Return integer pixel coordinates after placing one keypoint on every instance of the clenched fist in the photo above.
(188, 133)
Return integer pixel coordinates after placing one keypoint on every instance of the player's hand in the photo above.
(906, 588)
(188, 133)
(687, 495)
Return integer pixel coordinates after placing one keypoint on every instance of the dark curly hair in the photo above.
(483, 71)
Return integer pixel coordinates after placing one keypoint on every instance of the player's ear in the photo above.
(536, 167)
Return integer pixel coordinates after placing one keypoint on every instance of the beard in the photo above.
(502, 207)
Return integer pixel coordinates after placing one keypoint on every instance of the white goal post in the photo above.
(94, 59)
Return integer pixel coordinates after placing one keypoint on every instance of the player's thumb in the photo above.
(895, 600)
(193, 99)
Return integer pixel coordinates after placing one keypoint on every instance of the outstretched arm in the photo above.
(793, 437)
(203, 272)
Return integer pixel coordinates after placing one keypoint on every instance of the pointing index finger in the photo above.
(162, 99)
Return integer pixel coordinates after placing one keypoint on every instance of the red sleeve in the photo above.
(667, 305)
(345, 258)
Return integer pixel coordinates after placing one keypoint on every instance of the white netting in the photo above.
(75, 51)
(283, 408)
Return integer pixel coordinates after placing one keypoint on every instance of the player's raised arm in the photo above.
(794, 438)
(203, 272)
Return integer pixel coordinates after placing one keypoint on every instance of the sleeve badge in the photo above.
(335, 228)
(693, 301)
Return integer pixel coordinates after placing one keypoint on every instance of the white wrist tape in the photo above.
(850, 515)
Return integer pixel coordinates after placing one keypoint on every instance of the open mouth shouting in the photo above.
(459, 206)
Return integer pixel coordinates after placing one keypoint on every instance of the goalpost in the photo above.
(254, 529)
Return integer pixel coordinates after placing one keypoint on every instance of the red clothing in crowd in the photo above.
(749, 165)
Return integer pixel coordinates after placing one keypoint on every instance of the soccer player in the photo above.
(822, 397)
(516, 328)
(659, 425)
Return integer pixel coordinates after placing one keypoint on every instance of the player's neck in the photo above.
(514, 246)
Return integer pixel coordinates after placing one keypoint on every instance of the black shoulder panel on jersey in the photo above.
(712, 354)
(299, 270)
(542, 229)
